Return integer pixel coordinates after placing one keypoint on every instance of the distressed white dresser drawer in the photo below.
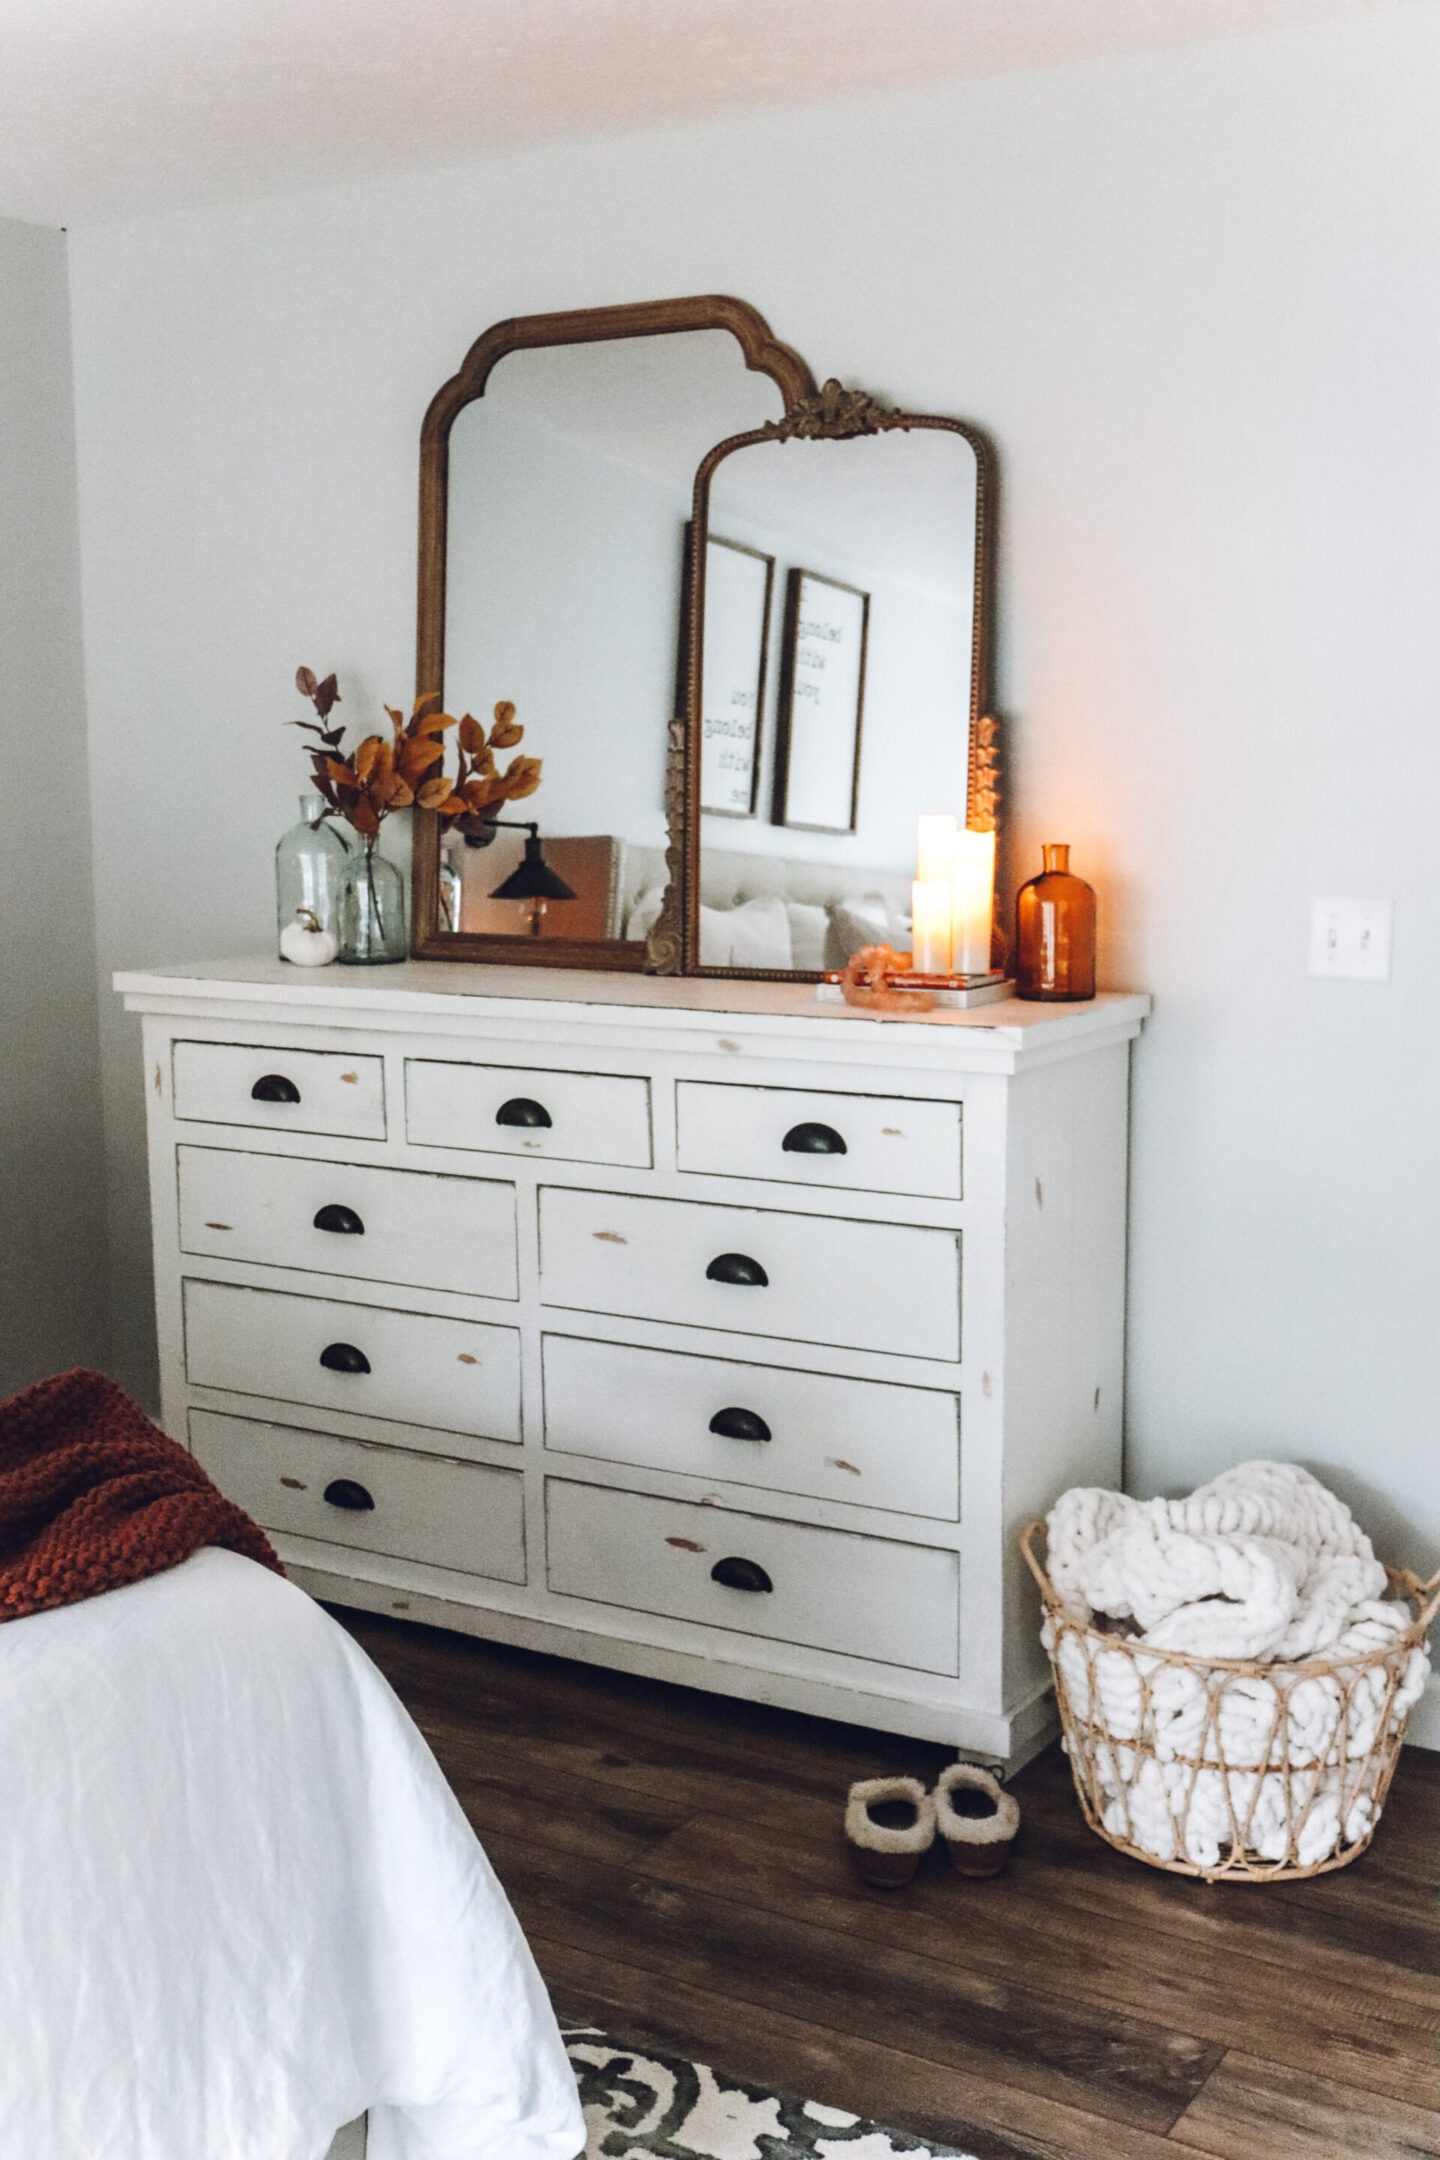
(408, 1227)
(512, 1110)
(443, 1376)
(826, 1589)
(308, 1091)
(867, 1442)
(804, 1278)
(376, 1499)
(869, 1143)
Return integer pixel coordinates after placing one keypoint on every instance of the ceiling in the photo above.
(113, 107)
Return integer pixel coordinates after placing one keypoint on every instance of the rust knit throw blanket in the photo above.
(92, 1495)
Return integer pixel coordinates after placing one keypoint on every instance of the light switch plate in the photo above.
(1351, 938)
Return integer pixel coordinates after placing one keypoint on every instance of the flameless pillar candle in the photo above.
(935, 848)
(932, 894)
(930, 925)
(973, 902)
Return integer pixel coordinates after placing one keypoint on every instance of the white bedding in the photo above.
(238, 1904)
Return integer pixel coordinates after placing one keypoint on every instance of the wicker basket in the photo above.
(1233, 1770)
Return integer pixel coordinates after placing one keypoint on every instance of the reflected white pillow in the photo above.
(756, 935)
(715, 936)
(644, 912)
(808, 928)
(864, 922)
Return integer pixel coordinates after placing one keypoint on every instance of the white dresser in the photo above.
(695, 1328)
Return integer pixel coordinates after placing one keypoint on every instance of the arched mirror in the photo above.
(836, 679)
(557, 470)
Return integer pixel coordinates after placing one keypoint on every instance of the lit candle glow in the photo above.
(930, 902)
(973, 902)
(935, 848)
(931, 895)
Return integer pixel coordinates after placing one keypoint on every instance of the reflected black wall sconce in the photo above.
(532, 879)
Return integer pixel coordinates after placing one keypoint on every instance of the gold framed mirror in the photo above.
(867, 668)
(556, 480)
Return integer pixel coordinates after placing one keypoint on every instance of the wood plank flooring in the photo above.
(677, 1862)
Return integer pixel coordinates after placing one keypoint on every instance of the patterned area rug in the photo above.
(640, 2106)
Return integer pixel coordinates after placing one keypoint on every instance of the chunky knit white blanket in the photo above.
(1261, 1564)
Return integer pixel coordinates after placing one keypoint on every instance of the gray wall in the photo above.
(1194, 298)
(52, 1181)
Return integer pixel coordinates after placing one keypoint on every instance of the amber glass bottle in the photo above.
(1055, 933)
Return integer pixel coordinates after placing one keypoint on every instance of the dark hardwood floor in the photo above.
(677, 1862)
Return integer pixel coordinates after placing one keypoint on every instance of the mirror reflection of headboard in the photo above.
(772, 912)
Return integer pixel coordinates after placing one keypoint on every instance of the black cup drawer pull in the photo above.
(274, 1087)
(520, 1110)
(344, 1357)
(342, 1220)
(739, 1425)
(737, 1267)
(813, 1140)
(737, 1574)
(348, 1492)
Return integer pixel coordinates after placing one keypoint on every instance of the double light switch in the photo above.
(1351, 938)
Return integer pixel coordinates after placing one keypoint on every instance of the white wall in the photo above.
(1194, 299)
(52, 1183)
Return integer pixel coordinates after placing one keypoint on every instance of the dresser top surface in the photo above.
(429, 989)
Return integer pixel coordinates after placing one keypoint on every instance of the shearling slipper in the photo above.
(978, 1842)
(887, 1851)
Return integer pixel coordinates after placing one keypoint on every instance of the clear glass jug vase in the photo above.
(372, 909)
(309, 869)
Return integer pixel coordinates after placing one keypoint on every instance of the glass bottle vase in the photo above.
(452, 881)
(309, 868)
(1055, 934)
(372, 909)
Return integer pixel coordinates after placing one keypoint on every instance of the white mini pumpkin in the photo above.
(306, 943)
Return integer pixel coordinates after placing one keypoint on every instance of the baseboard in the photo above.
(988, 1735)
(1034, 1723)
(1424, 1727)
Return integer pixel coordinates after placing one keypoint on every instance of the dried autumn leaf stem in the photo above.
(408, 767)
